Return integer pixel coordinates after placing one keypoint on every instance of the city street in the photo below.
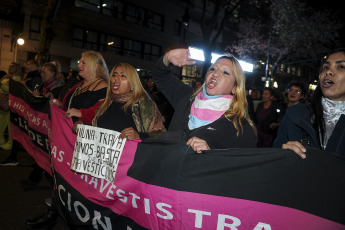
(18, 204)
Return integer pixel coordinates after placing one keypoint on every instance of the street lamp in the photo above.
(268, 59)
(20, 41)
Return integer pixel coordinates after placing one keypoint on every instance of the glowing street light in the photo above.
(20, 41)
(198, 54)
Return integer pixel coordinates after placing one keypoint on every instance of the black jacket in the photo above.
(296, 125)
(32, 79)
(219, 134)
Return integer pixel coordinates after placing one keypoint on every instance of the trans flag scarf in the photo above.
(206, 109)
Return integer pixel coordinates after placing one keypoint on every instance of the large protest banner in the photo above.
(30, 123)
(164, 185)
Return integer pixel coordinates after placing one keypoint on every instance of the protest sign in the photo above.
(97, 152)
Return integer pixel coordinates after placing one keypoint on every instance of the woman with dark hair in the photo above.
(294, 95)
(265, 114)
(322, 124)
(213, 117)
(51, 84)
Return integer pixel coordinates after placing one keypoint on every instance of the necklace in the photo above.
(80, 90)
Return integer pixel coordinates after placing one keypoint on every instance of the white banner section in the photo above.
(97, 152)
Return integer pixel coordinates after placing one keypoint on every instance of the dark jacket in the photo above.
(296, 125)
(32, 79)
(219, 134)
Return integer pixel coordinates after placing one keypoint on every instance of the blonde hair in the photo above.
(137, 89)
(239, 106)
(96, 65)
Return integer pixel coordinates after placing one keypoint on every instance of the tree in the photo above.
(47, 32)
(295, 32)
(212, 24)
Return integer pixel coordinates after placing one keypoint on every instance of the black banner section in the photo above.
(81, 213)
(36, 103)
(315, 185)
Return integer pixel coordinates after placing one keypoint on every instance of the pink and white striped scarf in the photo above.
(206, 109)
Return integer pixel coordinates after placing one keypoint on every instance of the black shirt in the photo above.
(115, 118)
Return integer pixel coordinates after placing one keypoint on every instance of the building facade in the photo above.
(137, 32)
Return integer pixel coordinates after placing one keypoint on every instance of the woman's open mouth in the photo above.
(326, 83)
(212, 83)
(116, 86)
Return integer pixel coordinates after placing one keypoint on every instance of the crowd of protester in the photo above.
(218, 113)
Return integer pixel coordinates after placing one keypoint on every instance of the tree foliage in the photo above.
(212, 24)
(294, 31)
(47, 33)
(222, 12)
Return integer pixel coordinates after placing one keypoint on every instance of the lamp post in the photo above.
(20, 41)
(268, 58)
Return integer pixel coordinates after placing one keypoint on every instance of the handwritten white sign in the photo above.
(97, 152)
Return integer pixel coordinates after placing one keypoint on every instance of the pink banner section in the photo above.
(157, 207)
(30, 128)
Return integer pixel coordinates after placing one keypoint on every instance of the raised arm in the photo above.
(168, 83)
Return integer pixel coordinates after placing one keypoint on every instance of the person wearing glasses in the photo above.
(296, 93)
(320, 124)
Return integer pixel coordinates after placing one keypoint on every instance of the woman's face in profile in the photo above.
(220, 79)
(46, 75)
(119, 82)
(82, 68)
(332, 77)
(11, 69)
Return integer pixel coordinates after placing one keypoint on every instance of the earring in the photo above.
(131, 89)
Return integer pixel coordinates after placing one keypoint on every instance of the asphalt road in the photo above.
(17, 204)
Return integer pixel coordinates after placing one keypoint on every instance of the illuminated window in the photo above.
(124, 11)
(93, 5)
(109, 43)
